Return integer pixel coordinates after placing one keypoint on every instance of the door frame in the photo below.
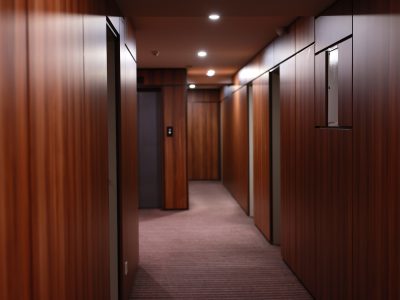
(117, 60)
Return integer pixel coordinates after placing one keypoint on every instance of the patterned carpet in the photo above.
(212, 251)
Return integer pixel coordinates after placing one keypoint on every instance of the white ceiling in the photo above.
(179, 28)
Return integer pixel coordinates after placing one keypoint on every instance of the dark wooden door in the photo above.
(204, 135)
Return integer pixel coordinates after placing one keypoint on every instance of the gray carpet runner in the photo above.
(212, 251)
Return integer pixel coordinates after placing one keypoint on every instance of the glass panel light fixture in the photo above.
(192, 86)
(333, 86)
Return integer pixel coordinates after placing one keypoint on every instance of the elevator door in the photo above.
(150, 150)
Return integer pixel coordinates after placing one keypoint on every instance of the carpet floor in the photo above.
(212, 251)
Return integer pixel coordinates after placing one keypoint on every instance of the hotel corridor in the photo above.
(203, 149)
(212, 251)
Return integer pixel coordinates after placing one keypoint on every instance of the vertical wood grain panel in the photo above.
(95, 160)
(68, 143)
(15, 280)
(285, 45)
(173, 85)
(334, 186)
(203, 134)
(345, 78)
(236, 147)
(305, 156)
(262, 170)
(56, 109)
(298, 36)
(204, 96)
(227, 117)
(287, 72)
(160, 77)
(175, 148)
(56, 150)
(267, 59)
(376, 43)
(320, 90)
(304, 32)
(334, 24)
(249, 72)
(129, 244)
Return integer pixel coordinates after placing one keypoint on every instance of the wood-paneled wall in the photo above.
(15, 242)
(68, 148)
(128, 210)
(55, 190)
(236, 147)
(204, 134)
(172, 82)
(334, 24)
(305, 32)
(305, 156)
(333, 204)
(298, 215)
(287, 72)
(261, 144)
(297, 36)
(175, 148)
(285, 45)
(340, 186)
(376, 42)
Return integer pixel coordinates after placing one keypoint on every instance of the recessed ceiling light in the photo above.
(202, 53)
(192, 86)
(214, 17)
(210, 73)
